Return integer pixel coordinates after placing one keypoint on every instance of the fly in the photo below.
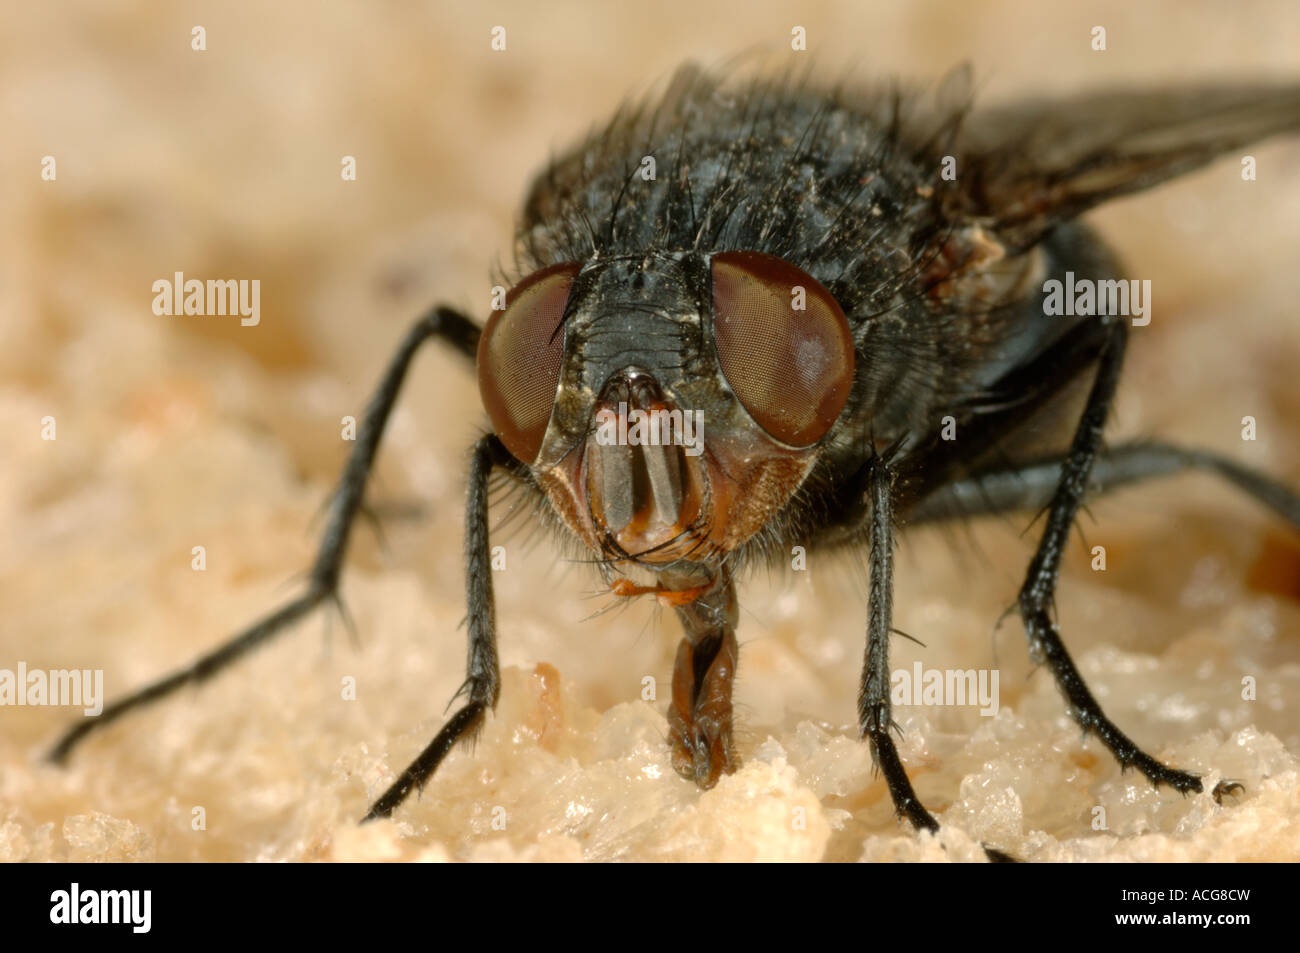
(773, 339)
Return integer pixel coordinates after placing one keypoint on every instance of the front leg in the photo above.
(482, 683)
(700, 716)
(875, 716)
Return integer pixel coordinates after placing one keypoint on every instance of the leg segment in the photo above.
(1039, 589)
(700, 716)
(1032, 486)
(874, 712)
(344, 507)
(482, 684)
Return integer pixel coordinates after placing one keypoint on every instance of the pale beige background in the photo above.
(176, 432)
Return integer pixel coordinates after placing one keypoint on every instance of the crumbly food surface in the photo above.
(181, 431)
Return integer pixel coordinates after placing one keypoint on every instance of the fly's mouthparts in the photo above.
(643, 471)
(637, 489)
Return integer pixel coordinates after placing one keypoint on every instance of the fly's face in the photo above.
(668, 404)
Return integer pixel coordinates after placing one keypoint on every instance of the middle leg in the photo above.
(1031, 486)
(1039, 589)
(875, 716)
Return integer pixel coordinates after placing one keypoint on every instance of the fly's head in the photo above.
(667, 404)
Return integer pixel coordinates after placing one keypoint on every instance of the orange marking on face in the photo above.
(668, 598)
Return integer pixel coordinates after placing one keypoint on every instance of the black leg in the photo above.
(874, 712)
(345, 504)
(482, 684)
(1039, 589)
(1032, 486)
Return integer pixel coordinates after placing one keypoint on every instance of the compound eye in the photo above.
(519, 357)
(783, 344)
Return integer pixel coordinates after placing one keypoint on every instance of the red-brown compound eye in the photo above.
(519, 357)
(791, 368)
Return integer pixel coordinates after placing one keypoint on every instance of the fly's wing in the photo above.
(1030, 168)
(1035, 164)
